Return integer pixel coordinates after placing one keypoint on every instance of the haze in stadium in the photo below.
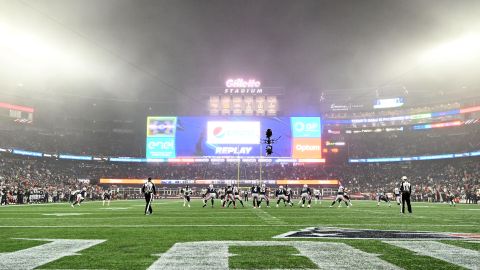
(239, 134)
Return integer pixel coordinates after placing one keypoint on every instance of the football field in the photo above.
(119, 236)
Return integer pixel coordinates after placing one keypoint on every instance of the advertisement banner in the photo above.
(249, 105)
(233, 132)
(161, 126)
(226, 105)
(214, 105)
(272, 105)
(307, 148)
(306, 127)
(307, 182)
(237, 106)
(127, 181)
(161, 147)
(260, 105)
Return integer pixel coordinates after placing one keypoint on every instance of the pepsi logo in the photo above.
(218, 132)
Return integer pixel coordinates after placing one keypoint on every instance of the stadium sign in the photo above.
(240, 83)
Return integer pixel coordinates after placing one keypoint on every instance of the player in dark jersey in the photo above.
(255, 190)
(229, 196)
(210, 194)
(237, 194)
(263, 196)
(340, 198)
(106, 197)
(80, 196)
(280, 193)
(451, 198)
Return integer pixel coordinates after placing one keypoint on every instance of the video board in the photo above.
(232, 137)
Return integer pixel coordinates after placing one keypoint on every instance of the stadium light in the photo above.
(23, 45)
(461, 47)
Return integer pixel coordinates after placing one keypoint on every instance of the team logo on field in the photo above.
(345, 233)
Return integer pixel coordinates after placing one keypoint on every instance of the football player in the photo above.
(237, 194)
(306, 194)
(221, 192)
(340, 198)
(186, 192)
(210, 194)
(451, 198)
(288, 193)
(229, 196)
(398, 197)
(280, 193)
(382, 196)
(345, 195)
(106, 197)
(255, 189)
(316, 192)
(263, 196)
(80, 196)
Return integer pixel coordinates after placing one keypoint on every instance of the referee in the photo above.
(149, 188)
(406, 190)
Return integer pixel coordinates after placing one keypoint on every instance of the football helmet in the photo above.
(84, 188)
(305, 185)
(186, 186)
(210, 186)
(280, 187)
(263, 185)
(404, 178)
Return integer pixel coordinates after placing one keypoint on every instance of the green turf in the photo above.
(132, 239)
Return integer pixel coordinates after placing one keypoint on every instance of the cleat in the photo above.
(146, 214)
(254, 207)
(389, 206)
(234, 207)
(351, 204)
(291, 205)
(402, 213)
(303, 205)
(339, 206)
(268, 206)
(152, 212)
(348, 206)
(204, 205)
(308, 206)
(243, 206)
(331, 206)
(277, 205)
(222, 207)
(183, 205)
(410, 213)
(213, 206)
(189, 205)
(259, 206)
(73, 206)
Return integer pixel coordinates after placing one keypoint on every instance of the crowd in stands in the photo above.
(100, 144)
(417, 143)
(427, 177)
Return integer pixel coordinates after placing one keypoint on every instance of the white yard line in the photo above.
(218, 225)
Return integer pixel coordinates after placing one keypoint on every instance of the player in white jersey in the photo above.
(398, 196)
(210, 194)
(289, 193)
(186, 192)
(280, 192)
(221, 193)
(382, 196)
(80, 196)
(106, 197)
(316, 192)
(306, 195)
(340, 197)
(345, 195)
(451, 198)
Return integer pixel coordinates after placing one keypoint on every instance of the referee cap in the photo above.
(404, 178)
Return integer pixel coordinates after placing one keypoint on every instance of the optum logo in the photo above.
(307, 147)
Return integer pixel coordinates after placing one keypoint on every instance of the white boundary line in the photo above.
(216, 225)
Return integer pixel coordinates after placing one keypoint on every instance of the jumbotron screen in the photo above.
(178, 137)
